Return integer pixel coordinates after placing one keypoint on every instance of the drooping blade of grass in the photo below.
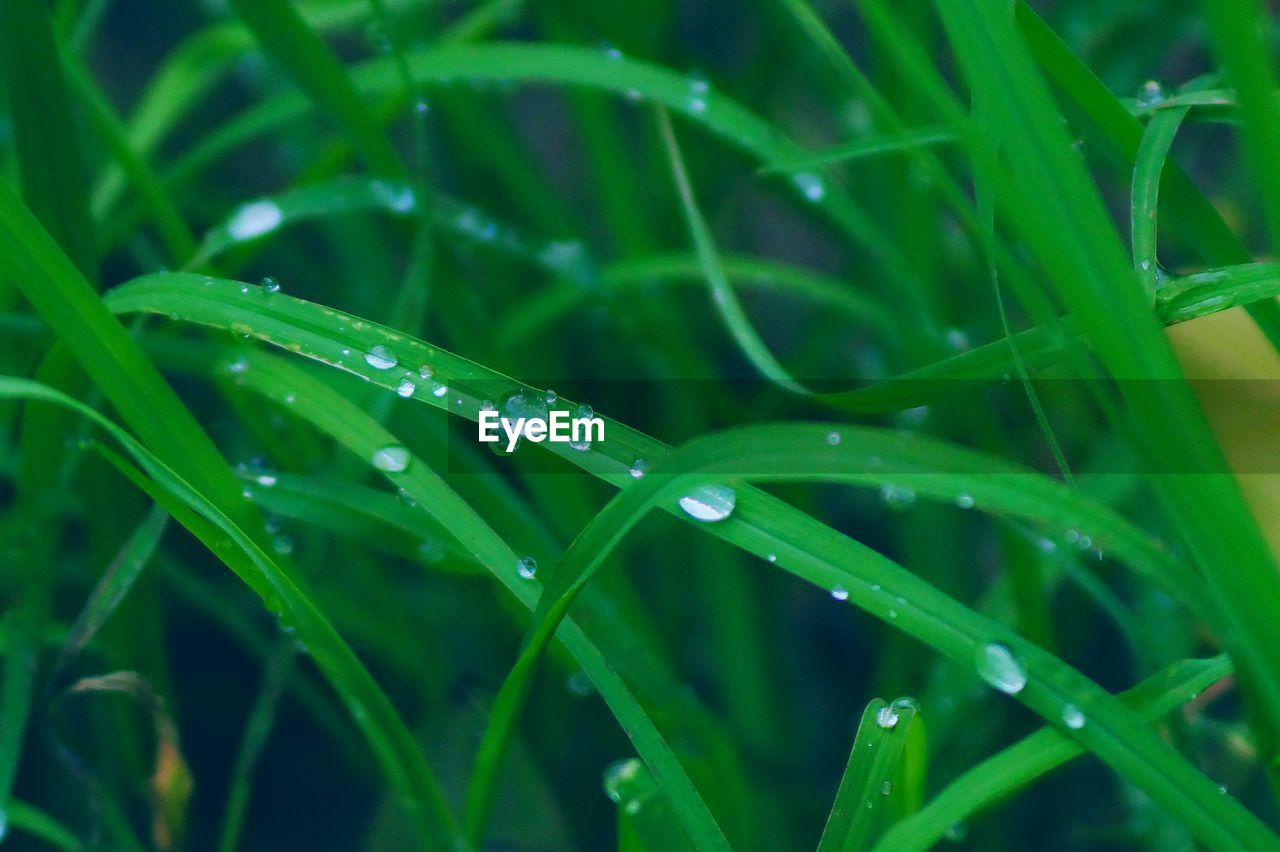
(289, 40)
(1121, 133)
(1056, 206)
(1204, 293)
(722, 293)
(1144, 198)
(55, 185)
(392, 744)
(39, 824)
(869, 146)
(1037, 754)
(868, 776)
(113, 586)
(334, 415)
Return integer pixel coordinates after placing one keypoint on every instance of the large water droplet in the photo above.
(965, 501)
(840, 593)
(270, 285)
(381, 358)
(1000, 667)
(392, 458)
(254, 220)
(527, 567)
(582, 411)
(638, 468)
(406, 388)
(439, 390)
(887, 717)
(709, 503)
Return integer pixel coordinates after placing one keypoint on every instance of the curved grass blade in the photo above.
(1037, 754)
(39, 824)
(1203, 293)
(1147, 168)
(287, 38)
(868, 146)
(722, 294)
(113, 586)
(868, 777)
(393, 745)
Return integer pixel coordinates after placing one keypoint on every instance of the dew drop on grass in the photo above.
(1072, 717)
(282, 545)
(638, 468)
(956, 832)
(381, 358)
(897, 496)
(840, 593)
(833, 438)
(1000, 668)
(406, 388)
(964, 501)
(618, 776)
(699, 88)
(431, 552)
(439, 390)
(709, 503)
(527, 567)
(426, 373)
(887, 717)
(1150, 94)
(254, 220)
(611, 52)
(523, 403)
(579, 684)
(550, 397)
(238, 366)
(270, 285)
(582, 411)
(886, 787)
(811, 186)
(392, 458)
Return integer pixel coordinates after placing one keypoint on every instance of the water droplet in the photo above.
(965, 501)
(709, 503)
(282, 545)
(840, 593)
(405, 389)
(1000, 668)
(439, 390)
(550, 397)
(238, 366)
(270, 285)
(886, 787)
(811, 186)
(422, 106)
(396, 197)
(833, 438)
(1072, 536)
(772, 557)
(266, 480)
(956, 832)
(524, 403)
(426, 373)
(254, 220)
(579, 684)
(381, 358)
(897, 496)
(1150, 94)
(638, 468)
(431, 552)
(392, 458)
(619, 775)
(699, 88)
(527, 567)
(611, 52)
(1072, 717)
(582, 411)
(957, 339)
(887, 717)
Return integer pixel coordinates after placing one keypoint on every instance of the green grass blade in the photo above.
(287, 38)
(1144, 198)
(1204, 293)
(1037, 754)
(39, 824)
(55, 185)
(870, 146)
(868, 777)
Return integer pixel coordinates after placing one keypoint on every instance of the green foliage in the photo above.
(872, 307)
